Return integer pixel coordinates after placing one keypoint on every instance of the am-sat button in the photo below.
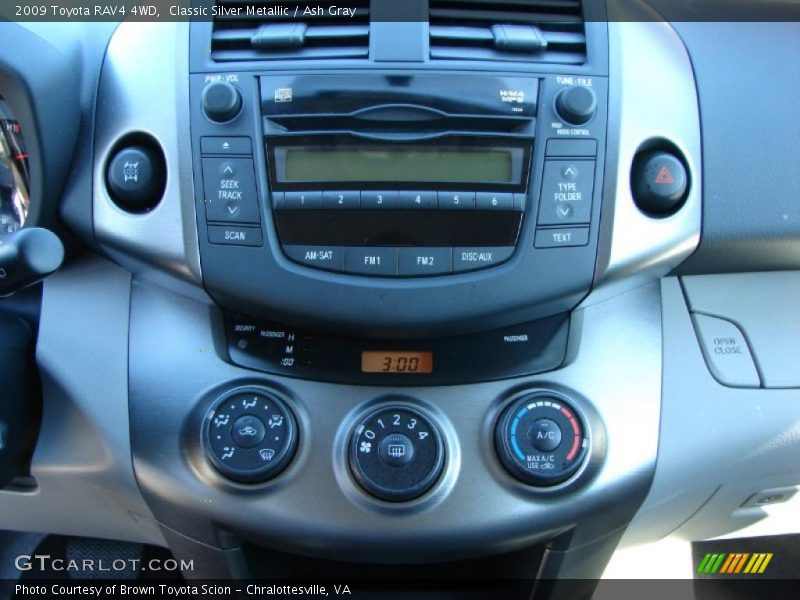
(330, 258)
(469, 259)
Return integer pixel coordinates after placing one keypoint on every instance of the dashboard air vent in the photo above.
(549, 31)
(276, 30)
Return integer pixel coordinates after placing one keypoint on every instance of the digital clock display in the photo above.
(396, 362)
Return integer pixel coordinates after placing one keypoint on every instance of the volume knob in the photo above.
(221, 101)
(576, 104)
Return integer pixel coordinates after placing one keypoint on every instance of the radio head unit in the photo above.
(349, 195)
(433, 145)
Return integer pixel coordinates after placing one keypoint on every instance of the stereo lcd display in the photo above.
(432, 165)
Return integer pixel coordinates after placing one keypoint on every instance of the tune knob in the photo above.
(576, 104)
(221, 101)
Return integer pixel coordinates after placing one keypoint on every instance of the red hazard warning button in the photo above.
(659, 182)
(664, 176)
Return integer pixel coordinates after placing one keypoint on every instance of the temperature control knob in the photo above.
(576, 104)
(250, 435)
(396, 453)
(541, 440)
(221, 101)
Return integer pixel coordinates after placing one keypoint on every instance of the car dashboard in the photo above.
(412, 288)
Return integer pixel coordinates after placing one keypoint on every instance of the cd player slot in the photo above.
(399, 121)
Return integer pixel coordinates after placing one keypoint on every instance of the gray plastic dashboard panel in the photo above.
(144, 88)
(718, 445)
(765, 308)
(614, 378)
(747, 94)
(82, 464)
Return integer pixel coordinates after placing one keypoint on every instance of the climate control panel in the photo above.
(396, 451)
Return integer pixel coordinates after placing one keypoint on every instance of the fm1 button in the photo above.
(545, 435)
(248, 431)
(396, 450)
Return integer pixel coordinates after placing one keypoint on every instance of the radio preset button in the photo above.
(379, 199)
(470, 259)
(230, 198)
(330, 258)
(300, 200)
(456, 200)
(371, 261)
(425, 261)
(417, 199)
(340, 199)
(566, 192)
(493, 201)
